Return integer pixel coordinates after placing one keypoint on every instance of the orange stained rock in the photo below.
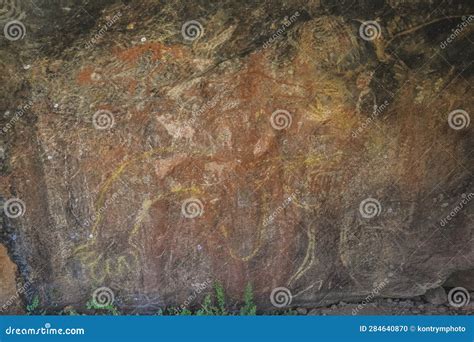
(8, 287)
(84, 76)
(131, 55)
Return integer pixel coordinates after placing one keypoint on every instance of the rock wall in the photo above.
(318, 148)
(9, 291)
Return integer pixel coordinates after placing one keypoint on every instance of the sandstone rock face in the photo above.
(9, 296)
(436, 296)
(160, 146)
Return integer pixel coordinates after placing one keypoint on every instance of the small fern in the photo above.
(220, 299)
(249, 309)
(185, 312)
(110, 309)
(31, 308)
(206, 307)
(213, 304)
(69, 311)
(172, 311)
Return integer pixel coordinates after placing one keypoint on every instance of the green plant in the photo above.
(220, 299)
(32, 308)
(249, 308)
(179, 312)
(185, 312)
(213, 304)
(290, 312)
(110, 309)
(69, 311)
(206, 307)
(219, 306)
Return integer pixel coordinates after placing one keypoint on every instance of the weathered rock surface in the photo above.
(278, 148)
(9, 293)
(436, 296)
(461, 278)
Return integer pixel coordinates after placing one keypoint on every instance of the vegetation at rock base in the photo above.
(213, 304)
(249, 308)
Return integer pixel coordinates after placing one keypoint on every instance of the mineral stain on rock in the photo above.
(159, 138)
(9, 296)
